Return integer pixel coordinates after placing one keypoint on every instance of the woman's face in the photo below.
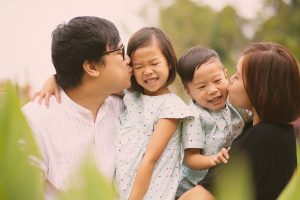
(237, 93)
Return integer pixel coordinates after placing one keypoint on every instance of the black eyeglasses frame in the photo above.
(122, 48)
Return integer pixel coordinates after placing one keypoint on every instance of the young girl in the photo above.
(148, 143)
(148, 146)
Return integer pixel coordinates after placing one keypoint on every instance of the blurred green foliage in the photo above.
(236, 182)
(20, 177)
(292, 189)
(92, 185)
(283, 26)
(189, 23)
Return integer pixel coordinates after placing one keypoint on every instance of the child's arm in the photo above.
(195, 160)
(49, 88)
(163, 131)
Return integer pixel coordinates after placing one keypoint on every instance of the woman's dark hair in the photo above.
(145, 37)
(272, 82)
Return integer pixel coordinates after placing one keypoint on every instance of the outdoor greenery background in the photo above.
(187, 23)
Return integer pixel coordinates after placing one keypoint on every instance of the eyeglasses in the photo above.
(122, 49)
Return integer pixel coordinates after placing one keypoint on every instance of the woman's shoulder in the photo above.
(269, 128)
(269, 135)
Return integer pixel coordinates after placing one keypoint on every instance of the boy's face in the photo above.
(209, 85)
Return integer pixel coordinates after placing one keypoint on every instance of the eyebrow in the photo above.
(198, 83)
(136, 63)
(151, 60)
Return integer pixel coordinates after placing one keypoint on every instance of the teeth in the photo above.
(215, 99)
(150, 80)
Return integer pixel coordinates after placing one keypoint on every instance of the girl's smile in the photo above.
(151, 69)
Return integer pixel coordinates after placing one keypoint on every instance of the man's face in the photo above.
(116, 73)
(209, 85)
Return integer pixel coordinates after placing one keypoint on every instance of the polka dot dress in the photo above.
(136, 127)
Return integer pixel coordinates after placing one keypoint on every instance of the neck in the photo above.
(161, 91)
(256, 118)
(88, 97)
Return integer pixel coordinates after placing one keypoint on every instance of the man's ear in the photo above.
(90, 68)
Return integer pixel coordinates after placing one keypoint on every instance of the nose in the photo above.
(148, 71)
(212, 89)
(231, 80)
(127, 59)
(130, 69)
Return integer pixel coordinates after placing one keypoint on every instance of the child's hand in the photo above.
(49, 88)
(220, 157)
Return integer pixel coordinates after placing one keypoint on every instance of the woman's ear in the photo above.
(90, 68)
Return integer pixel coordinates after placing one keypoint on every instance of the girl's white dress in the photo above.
(136, 127)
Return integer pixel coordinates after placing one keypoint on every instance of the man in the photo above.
(90, 65)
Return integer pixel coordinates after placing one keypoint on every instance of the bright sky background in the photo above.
(26, 26)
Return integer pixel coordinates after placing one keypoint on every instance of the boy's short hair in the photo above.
(191, 60)
(272, 82)
(82, 39)
(144, 37)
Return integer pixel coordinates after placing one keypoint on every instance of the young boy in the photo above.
(206, 138)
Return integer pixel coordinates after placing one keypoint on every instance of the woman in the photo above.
(267, 82)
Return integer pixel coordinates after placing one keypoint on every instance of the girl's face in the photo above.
(151, 70)
(237, 92)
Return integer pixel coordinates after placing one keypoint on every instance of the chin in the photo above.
(220, 107)
(128, 86)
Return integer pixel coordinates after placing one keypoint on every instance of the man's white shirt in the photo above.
(65, 133)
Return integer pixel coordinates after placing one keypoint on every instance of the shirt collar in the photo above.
(84, 112)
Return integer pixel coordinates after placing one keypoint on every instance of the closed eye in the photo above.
(155, 64)
(218, 81)
(137, 66)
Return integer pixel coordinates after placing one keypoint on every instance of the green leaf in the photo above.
(236, 182)
(92, 185)
(18, 178)
(292, 191)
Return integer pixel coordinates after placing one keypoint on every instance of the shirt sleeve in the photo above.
(193, 135)
(174, 108)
